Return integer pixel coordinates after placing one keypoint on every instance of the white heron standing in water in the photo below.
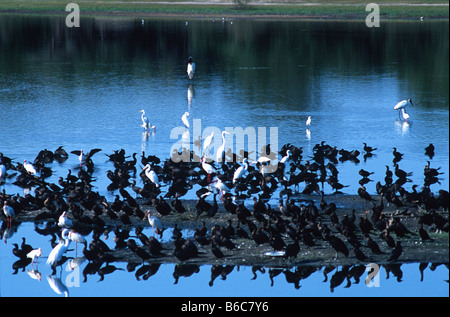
(145, 122)
(308, 121)
(190, 68)
(184, 118)
(56, 254)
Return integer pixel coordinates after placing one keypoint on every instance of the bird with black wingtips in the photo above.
(396, 252)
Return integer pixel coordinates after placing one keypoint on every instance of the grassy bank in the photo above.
(236, 8)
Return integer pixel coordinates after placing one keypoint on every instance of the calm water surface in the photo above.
(82, 88)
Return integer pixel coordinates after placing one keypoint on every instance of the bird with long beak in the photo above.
(155, 223)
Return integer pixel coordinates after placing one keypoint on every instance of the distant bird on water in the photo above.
(184, 118)
(308, 121)
(190, 68)
(145, 122)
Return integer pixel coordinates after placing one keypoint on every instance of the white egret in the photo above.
(184, 118)
(404, 115)
(29, 167)
(145, 122)
(207, 143)
(190, 68)
(151, 175)
(36, 253)
(64, 222)
(285, 160)
(308, 121)
(9, 213)
(56, 254)
(241, 171)
(154, 222)
(221, 149)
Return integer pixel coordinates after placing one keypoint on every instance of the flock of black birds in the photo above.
(290, 227)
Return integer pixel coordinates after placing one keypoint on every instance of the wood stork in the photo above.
(151, 175)
(220, 186)
(402, 104)
(190, 68)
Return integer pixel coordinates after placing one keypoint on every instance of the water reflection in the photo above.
(294, 277)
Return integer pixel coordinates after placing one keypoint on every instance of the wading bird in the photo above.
(9, 213)
(145, 122)
(56, 254)
(402, 104)
(190, 68)
(221, 150)
(151, 175)
(184, 118)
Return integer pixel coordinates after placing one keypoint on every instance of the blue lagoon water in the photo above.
(82, 88)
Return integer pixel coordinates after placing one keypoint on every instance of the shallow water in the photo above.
(82, 88)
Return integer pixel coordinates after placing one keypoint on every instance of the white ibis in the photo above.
(190, 68)
(221, 149)
(56, 254)
(35, 253)
(241, 171)
(29, 167)
(64, 222)
(151, 175)
(184, 118)
(154, 222)
(9, 213)
(221, 186)
(75, 237)
(208, 168)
